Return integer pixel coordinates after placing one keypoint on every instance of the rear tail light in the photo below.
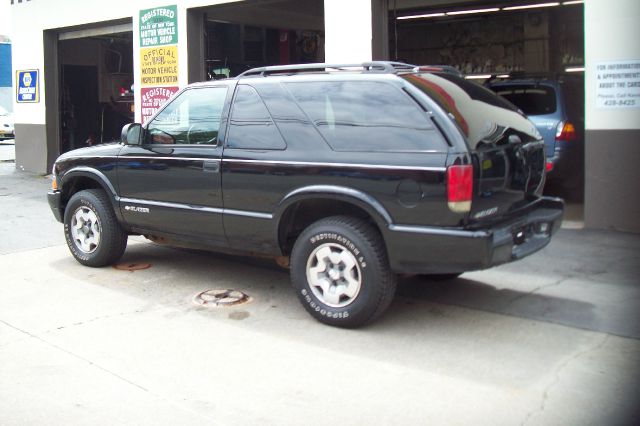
(459, 188)
(549, 166)
(565, 131)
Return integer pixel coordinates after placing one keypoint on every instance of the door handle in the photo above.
(210, 166)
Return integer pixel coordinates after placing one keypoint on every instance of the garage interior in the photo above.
(488, 40)
(95, 96)
(240, 36)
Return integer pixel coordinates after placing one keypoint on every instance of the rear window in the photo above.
(532, 100)
(366, 116)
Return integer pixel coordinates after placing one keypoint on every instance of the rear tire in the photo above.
(91, 229)
(341, 273)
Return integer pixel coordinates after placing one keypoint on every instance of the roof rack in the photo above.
(382, 67)
(447, 69)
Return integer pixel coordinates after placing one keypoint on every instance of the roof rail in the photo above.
(383, 67)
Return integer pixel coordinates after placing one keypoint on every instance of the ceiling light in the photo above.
(469, 12)
(574, 69)
(428, 15)
(532, 6)
(478, 77)
(503, 76)
(567, 3)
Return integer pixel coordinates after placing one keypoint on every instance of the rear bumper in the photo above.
(55, 203)
(425, 250)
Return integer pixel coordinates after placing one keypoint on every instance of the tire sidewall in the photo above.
(77, 201)
(361, 308)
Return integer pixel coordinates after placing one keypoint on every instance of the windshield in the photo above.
(532, 100)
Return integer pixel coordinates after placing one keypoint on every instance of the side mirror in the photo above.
(131, 134)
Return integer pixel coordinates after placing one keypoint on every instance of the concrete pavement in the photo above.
(549, 340)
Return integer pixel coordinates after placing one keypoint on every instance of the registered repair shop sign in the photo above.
(28, 86)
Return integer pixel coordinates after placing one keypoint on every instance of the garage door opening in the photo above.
(529, 52)
(239, 37)
(95, 92)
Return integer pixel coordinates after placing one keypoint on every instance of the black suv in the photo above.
(353, 173)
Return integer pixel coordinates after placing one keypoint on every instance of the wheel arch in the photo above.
(81, 178)
(306, 205)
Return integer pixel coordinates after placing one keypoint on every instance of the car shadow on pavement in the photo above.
(477, 295)
(270, 284)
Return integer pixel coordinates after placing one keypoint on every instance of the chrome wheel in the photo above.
(85, 229)
(334, 275)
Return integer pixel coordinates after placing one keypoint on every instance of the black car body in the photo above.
(440, 175)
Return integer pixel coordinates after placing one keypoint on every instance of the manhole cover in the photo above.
(132, 266)
(226, 297)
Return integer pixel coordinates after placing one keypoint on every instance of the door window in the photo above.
(251, 125)
(193, 118)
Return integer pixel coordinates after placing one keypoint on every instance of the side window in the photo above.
(366, 116)
(191, 118)
(251, 125)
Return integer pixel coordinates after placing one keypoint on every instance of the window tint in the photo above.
(251, 126)
(366, 116)
(191, 118)
(532, 100)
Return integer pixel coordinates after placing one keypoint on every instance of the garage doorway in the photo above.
(89, 76)
(240, 36)
(498, 42)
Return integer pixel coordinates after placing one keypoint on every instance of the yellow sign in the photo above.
(159, 66)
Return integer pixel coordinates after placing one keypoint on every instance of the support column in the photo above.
(612, 151)
(348, 33)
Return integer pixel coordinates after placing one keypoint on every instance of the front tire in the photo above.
(91, 229)
(341, 273)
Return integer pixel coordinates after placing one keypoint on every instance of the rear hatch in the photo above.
(540, 103)
(507, 151)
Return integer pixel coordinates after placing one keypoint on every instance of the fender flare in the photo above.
(353, 196)
(97, 176)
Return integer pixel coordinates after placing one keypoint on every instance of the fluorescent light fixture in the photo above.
(478, 77)
(503, 76)
(567, 3)
(428, 15)
(532, 6)
(471, 11)
(574, 69)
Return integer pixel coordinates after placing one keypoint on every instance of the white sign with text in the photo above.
(618, 84)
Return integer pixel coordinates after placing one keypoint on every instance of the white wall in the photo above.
(612, 33)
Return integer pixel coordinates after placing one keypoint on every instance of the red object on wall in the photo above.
(285, 47)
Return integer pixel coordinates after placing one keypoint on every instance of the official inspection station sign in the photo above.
(618, 84)
(159, 26)
(27, 86)
(159, 66)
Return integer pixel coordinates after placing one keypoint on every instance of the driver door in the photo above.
(171, 183)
